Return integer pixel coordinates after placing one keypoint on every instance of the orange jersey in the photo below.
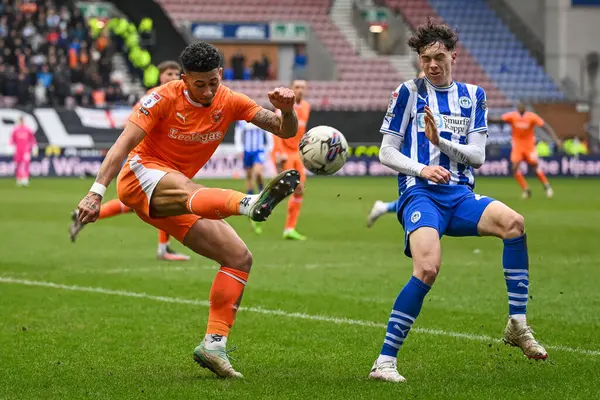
(183, 134)
(523, 127)
(292, 144)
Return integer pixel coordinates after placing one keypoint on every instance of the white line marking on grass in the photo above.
(282, 313)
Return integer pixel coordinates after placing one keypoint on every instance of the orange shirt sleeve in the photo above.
(507, 117)
(148, 112)
(245, 108)
(537, 120)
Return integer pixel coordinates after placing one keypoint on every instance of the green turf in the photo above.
(61, 344)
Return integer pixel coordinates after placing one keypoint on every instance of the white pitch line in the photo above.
(259, 310)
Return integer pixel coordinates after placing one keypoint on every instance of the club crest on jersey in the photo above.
(415, 217)
(465, 102)
(150, 100)
(216, 115)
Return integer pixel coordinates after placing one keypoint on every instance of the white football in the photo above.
(324, 150)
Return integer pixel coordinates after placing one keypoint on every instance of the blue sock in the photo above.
(260, 187)
(406, 309)
(249, 191)
(515, 262)
(391, 207)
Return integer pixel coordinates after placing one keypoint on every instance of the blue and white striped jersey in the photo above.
(250, 138)
(459, 109)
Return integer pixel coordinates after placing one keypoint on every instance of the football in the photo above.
(324, 150)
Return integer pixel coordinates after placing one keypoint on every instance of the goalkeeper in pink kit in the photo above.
(23, 141)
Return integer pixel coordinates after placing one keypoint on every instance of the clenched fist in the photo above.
(282, 98)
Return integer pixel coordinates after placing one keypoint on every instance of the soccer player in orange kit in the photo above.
(286, 155)
(169, 71)
(173, 133)
(523, 125)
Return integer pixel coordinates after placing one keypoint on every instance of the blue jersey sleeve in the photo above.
(398, 112)
(479, 120)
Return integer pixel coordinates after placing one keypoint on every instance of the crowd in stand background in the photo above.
(49, 58)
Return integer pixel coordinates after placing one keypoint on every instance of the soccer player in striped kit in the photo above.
(434, 134)
(252, 143)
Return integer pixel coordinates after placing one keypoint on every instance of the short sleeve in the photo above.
(245, 108)
(537, 120)
(398, 113)
(479, 122)
(507, 117)
(147, 112)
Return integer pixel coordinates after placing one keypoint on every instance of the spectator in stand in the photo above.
(238, 64)
(300, 62)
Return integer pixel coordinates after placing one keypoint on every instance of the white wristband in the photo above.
(98, 188)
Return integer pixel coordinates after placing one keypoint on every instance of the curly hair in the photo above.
(430, 33)
(200, 57)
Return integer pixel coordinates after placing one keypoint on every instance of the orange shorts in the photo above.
(527, 154)
(295, 162)
(135, 185)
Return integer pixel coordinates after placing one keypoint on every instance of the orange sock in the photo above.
(163, 237)
(542, 177)
(521, 179)
(225, 298)
(212, 203)
(293, 211)
(112, 208)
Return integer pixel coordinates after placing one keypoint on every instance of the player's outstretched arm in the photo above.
(552, 134)
(89, 206)
(285, 125)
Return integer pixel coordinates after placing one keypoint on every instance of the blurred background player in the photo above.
(169, 71)
(381, 207)
(252, 143)
(24, 145)
(286, 154)
(523, 125)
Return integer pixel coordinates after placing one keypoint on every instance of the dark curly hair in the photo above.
(200, 57)
(431, 33)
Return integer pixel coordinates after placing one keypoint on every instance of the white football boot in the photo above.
(379, 208)
(519, 334)
(386, 371)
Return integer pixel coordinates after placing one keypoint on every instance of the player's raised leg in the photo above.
(175, 194)
(501, 221)
(380, 208)
(426, 253)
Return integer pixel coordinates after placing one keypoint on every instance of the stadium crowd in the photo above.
(50, 58)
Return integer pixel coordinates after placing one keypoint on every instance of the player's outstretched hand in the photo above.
(89, 208)
(282, 98)
(431, 130)
(436, 174)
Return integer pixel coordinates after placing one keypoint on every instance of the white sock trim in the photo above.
(383, 358)
(240, 280)
(189, 204)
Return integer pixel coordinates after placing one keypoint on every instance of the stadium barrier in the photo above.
(227, 163)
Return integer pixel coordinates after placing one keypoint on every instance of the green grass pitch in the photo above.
(120, 324)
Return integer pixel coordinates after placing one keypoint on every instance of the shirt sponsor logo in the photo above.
(445, 123)
(198, 137)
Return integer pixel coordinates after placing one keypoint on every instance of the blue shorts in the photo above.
(451, 210)
(252, 158)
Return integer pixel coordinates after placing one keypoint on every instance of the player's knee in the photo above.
(426, 266)
(514, 226)
(241, 259)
